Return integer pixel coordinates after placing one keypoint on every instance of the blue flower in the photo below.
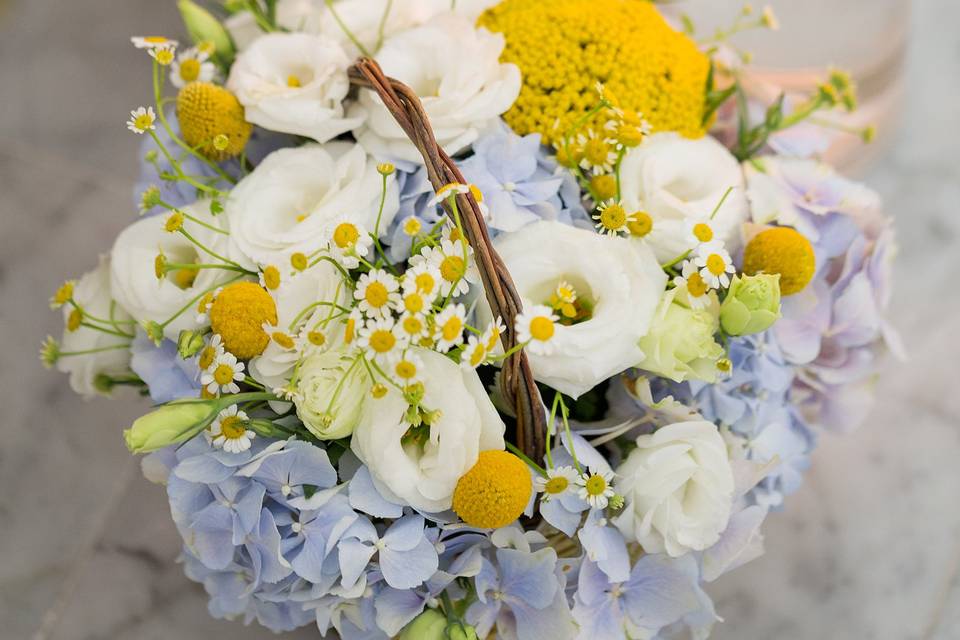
(659, 592)
(315, 534)
(405, 556)
(523, 593)
(415, 195)
(288, 472)
(604, 545)
(168, 376)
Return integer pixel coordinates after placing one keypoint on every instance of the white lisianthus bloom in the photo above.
(133, 273)
(466, 423)
(331, 389)
(298, 16)
(456, 70)
(618, 280)
(679, 488)
(303, 303)
(92, 292)
(675, 180)
(294, 83)
(293, 200)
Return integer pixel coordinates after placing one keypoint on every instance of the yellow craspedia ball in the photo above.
(785, 251)
(494, 492)
(238, 313)
(565, 47)
(212, 119)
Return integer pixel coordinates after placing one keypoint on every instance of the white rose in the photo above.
(678, 486)
(455, 69)
(295, 197)
(676, 179)
(92, 292)
(133, 277)
(292, 15)
(297, 310)
(424, 477)
(619, 278)
(294, 83)
(329, 406)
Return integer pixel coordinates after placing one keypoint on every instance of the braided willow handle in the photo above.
(516, 379)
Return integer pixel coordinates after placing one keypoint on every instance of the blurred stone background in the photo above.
(868, 549)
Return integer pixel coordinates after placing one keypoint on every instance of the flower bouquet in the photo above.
(477, 319)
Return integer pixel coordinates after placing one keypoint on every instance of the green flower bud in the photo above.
(457, 631)
(429, 625)
(172, 423)
(189, 343)
(154, 330)
(752, 304)
(203, 26)
(680, 344)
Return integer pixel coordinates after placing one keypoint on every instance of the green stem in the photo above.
(346, 29)
(189, 237)
(520, 454)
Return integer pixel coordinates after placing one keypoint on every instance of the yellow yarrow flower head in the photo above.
(208, 113)
(494, 492)
(644, 65)
(238, 314)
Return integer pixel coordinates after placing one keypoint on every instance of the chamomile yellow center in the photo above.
(640, 224)
(596, 485)
(716, 264)
(282, 339)
(164, 56)
(696, 286)
(376, 294)
(74, 320)
(604, 186)
(597, 151)
(412, 325)
(452, 268)
(556, 485)
(477, 355)
(405, 370)
(379, 390)
(703, 232)
(298, 261)
(425, 283)
(382, 340)
(349, 330)
(271, 277)
(494, 492)
(413, 302)
(346, 235)
(207, 354)
(233, 428)
(412, 226)
(452, 328)
(190, 69)
(316, 338)
(542, 328)
(143, 121)
(238, 314)
(223, 374)
(613, 217)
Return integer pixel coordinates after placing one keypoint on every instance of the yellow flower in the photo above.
(626, 44)
(494, 492)
(206, 111)
(781, 250)
(238, 314)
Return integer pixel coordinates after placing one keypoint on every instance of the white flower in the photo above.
(164, 54)
(92, 292)
(349, 242)
(223, 375)
(454, 262)
(142, 120)
(716, 265)
(699, 231)
(600, 153)
(536, 327)
(292, 15)
(558, 481)
(595, 487)
(617, 279)
(294, 83)
(425, 475)
(289, 202)
(491, 337)
(330, 392)
(376, 293)
(413, 327)
(229, 431)
(152, 42)
(192, 65)
(381, 338)
(133, 277)
(423, 277)
(450, 324)
(406, 368)
(678, 486)
(456, 71)
(697, 289)
(300, 315)
(676, 179)
(474, 354)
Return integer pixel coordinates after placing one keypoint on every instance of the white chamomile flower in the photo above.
(229, 431)
(491, 337)
(697, 288)
(474, 354)
(715, 265)
(204, 305)
(414, 327)
(381, 337)
(406, 368)
(413, 301)
(595, 488)
(450, 324)
(223, 375)
(377, 293)
(454, 262)
(312, 340)
(151, 42)
(164, 54)
(282, 339)
(287, 392)
(210, 353)
(558, 481)
(612, 219)
(142, 120)
(700, 232)
(349, 242)
(454, 189)
(599, 152)
(423, 278)
(270, 278)
(192, 65)
(412, 226)
(535, 327)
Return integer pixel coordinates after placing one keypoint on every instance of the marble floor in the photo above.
(869, 548)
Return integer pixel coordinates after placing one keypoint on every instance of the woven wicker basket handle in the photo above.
(517, 381)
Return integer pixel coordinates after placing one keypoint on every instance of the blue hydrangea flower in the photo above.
(168, 376)
(405, 556)
(415, 195)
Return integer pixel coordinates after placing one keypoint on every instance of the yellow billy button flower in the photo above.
(62, 295)
(494, 492)
(238, 314)
(535, 328)
(611, 219)
(785, 251)
(205, 111)
(640, 224)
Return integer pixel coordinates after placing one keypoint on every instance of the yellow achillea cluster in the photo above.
(213, 119)
(238, 314)
(494, 492)
(565, 47)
